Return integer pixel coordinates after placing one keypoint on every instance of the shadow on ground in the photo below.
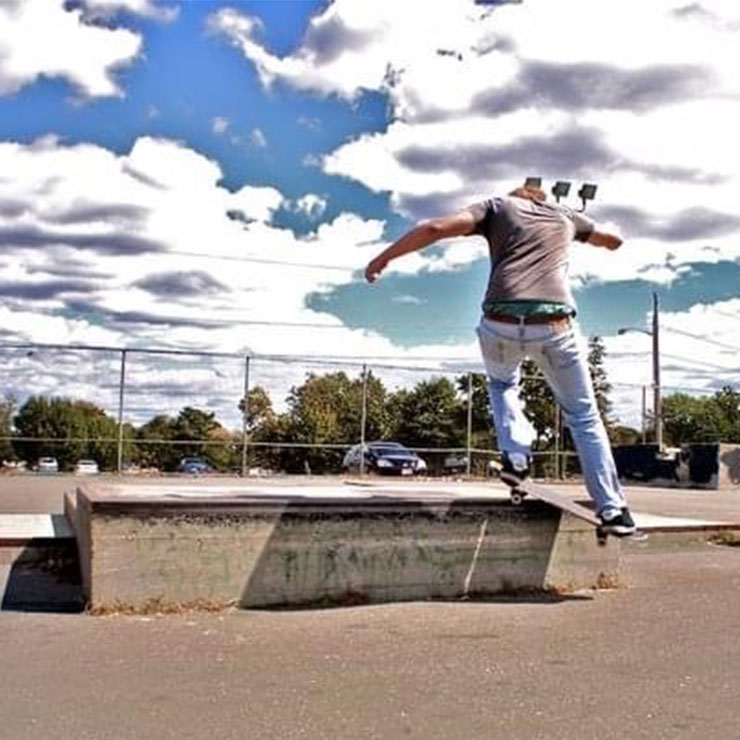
(49, 583)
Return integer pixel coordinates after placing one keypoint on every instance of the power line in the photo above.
(349, 360)
(666, 355)
(699, 338)
(315, 359)
(262, 261)
(711, 365)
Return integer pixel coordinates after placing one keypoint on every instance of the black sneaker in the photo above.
(619, 525)
(514, 471)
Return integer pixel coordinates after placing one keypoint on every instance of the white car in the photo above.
(86, 467)
(47, 465)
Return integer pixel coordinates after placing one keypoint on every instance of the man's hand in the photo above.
(605, 239)
(374, 268)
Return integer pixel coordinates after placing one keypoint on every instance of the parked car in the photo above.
(455, 464)
(47, 465)
(193, 466)
(388, 458)
(86, 467)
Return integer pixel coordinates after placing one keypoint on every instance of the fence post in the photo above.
(557, 441)
(121, 391)
(468, 464)
(363, 419)
(245, 414)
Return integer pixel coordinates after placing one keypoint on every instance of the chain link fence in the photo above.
(139, 389)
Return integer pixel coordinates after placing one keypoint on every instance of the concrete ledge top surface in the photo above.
(27, 527)
(172, 492)
(215, 498)
(376, 496)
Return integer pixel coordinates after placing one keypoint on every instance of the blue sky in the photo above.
(173, 172)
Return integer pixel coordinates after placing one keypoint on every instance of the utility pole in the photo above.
(121, 391)
(468, 460)
(657, 403)
(363, 419)
(245, 421)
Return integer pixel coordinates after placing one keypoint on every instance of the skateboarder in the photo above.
(529, 311)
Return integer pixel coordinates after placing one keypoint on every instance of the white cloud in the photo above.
(411, 300)
(148, 248)
(481, 98)
(42, 38)
(311, 205)
(169, 195)
(105, 9)
(258, 138)
(219, 124)
(120, 228)
(256, 203)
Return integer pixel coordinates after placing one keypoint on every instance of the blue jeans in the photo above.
(560, 353)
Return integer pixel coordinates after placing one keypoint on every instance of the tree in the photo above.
(689, 418)
(602, 387)
(727, 402)
(196, 424)
(262, 426)
(7, 409)
(327, 409)
(83, 430)
(259, 409)
(188, 435)
(158, 453)
(482, 431)
(539, 405)
(429, 415)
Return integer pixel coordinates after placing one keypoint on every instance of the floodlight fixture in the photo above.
(560, 189)
(587, 192)
(533, 182)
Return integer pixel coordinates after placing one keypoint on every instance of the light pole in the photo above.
(562, 187)
(657, 402)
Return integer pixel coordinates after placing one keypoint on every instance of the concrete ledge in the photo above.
(27, 538)
(38, 564)
(257, 548)
(23, 528)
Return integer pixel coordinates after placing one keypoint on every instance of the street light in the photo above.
(560, 189)
(587, 192)
(657, 404)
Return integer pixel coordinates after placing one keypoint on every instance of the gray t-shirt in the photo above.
(528, 243)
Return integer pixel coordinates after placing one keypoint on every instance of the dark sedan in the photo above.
(388, 458)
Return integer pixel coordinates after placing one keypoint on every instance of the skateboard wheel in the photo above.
(517, 497)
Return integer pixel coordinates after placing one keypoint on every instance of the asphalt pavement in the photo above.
(658, 657)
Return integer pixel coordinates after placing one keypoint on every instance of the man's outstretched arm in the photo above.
(422, 235)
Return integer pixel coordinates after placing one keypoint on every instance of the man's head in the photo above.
(530, 193)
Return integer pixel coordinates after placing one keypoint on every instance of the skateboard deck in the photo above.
(521, 489)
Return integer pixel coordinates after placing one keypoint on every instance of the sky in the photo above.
(214, 176)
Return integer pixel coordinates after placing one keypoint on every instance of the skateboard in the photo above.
(522, 488)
